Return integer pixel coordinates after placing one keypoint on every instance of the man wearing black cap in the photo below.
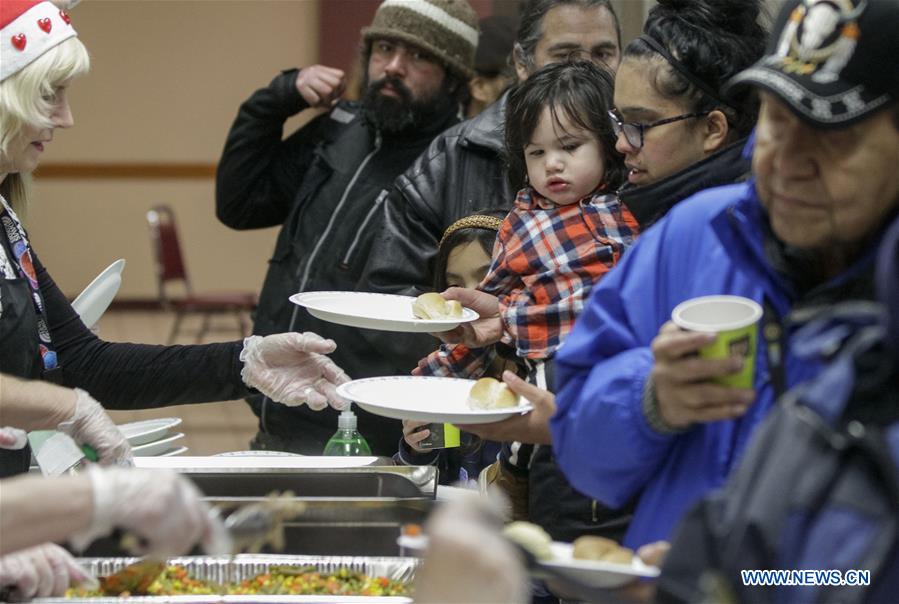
(323, 185)
(638, 412)
(817, 486)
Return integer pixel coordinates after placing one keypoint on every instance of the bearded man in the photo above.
(323, 183)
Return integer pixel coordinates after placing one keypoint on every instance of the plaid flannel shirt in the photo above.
(545, 262)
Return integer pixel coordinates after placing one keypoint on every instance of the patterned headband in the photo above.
(475, 221)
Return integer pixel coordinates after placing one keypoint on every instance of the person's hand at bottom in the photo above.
(468, 561)
(651, 554)
(42, 571)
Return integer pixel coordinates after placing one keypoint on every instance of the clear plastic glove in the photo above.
(162, 510)
(91, 425)
(291, 368)
(40, 572)
(13, 438)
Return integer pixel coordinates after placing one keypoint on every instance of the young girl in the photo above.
(566, 230)
(463, 258)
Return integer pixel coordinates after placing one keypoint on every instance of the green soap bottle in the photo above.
(347, 441)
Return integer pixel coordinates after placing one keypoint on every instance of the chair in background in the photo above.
(170, 268)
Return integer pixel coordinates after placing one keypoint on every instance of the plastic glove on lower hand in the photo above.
(291, 368)
(13, 439)
(91, 425)
(40, 572)
(162, 509)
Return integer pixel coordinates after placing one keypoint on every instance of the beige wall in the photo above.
(167, 79)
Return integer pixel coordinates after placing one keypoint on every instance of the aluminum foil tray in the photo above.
(226, 569)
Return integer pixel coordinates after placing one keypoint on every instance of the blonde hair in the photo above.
(26, 98)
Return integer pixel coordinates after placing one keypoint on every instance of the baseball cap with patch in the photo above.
(832, 61)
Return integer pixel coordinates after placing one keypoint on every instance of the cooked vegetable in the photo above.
(280, 580)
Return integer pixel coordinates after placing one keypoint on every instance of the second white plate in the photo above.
(148, 430)
(594, 572)
(157, 446)
(91, 303)
(387, 312)
(427, 399)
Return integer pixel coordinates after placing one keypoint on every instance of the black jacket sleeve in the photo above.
(137, 376)
(259, 174)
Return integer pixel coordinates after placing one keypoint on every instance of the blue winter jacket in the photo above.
(712, 243)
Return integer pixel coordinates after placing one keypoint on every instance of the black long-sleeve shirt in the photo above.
(137, 376)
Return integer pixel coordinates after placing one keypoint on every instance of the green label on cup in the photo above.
(735, 321)
(442, 436)
(735, 343)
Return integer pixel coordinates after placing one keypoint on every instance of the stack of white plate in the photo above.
(154, 437)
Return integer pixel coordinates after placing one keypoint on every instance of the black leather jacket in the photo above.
(461, 172)
(324, 184)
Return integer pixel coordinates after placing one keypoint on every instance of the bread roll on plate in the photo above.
(490, 393)
(434, 306)
(531, 537)
(590, 547)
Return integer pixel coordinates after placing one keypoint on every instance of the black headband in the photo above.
(682, 69)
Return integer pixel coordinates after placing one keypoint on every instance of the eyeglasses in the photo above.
(633, 133)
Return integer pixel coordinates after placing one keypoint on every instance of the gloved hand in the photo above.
(91, 425)
(41, 571)
(13, 438)
(291, 368)
(161, 509)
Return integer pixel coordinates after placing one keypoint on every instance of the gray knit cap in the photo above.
(448, 29)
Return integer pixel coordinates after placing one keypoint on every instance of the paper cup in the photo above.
(735, 320)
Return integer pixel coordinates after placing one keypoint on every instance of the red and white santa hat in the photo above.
(28, 29)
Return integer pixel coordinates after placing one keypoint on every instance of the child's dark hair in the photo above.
(580, 90)
(466, 230)
(713, 40)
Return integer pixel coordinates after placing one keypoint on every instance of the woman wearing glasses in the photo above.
(677, 131)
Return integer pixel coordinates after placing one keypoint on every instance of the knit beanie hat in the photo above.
(28, 29)
(448, 29)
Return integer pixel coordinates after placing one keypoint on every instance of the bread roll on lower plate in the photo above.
(590, 547)
(490, 393)
(434, 306)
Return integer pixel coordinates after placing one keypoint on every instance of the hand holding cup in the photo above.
(705, 360)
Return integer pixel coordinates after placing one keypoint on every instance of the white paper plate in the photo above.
(388, 312)
(97, 296)
(594, 572)
(157, 446)
(252, 453)
(148, 430)
(428, 399)
(173, 451)
(413, 546)
(236, 464)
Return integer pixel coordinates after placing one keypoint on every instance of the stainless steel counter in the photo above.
(349, 511)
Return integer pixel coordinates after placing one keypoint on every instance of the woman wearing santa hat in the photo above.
(42, 336)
